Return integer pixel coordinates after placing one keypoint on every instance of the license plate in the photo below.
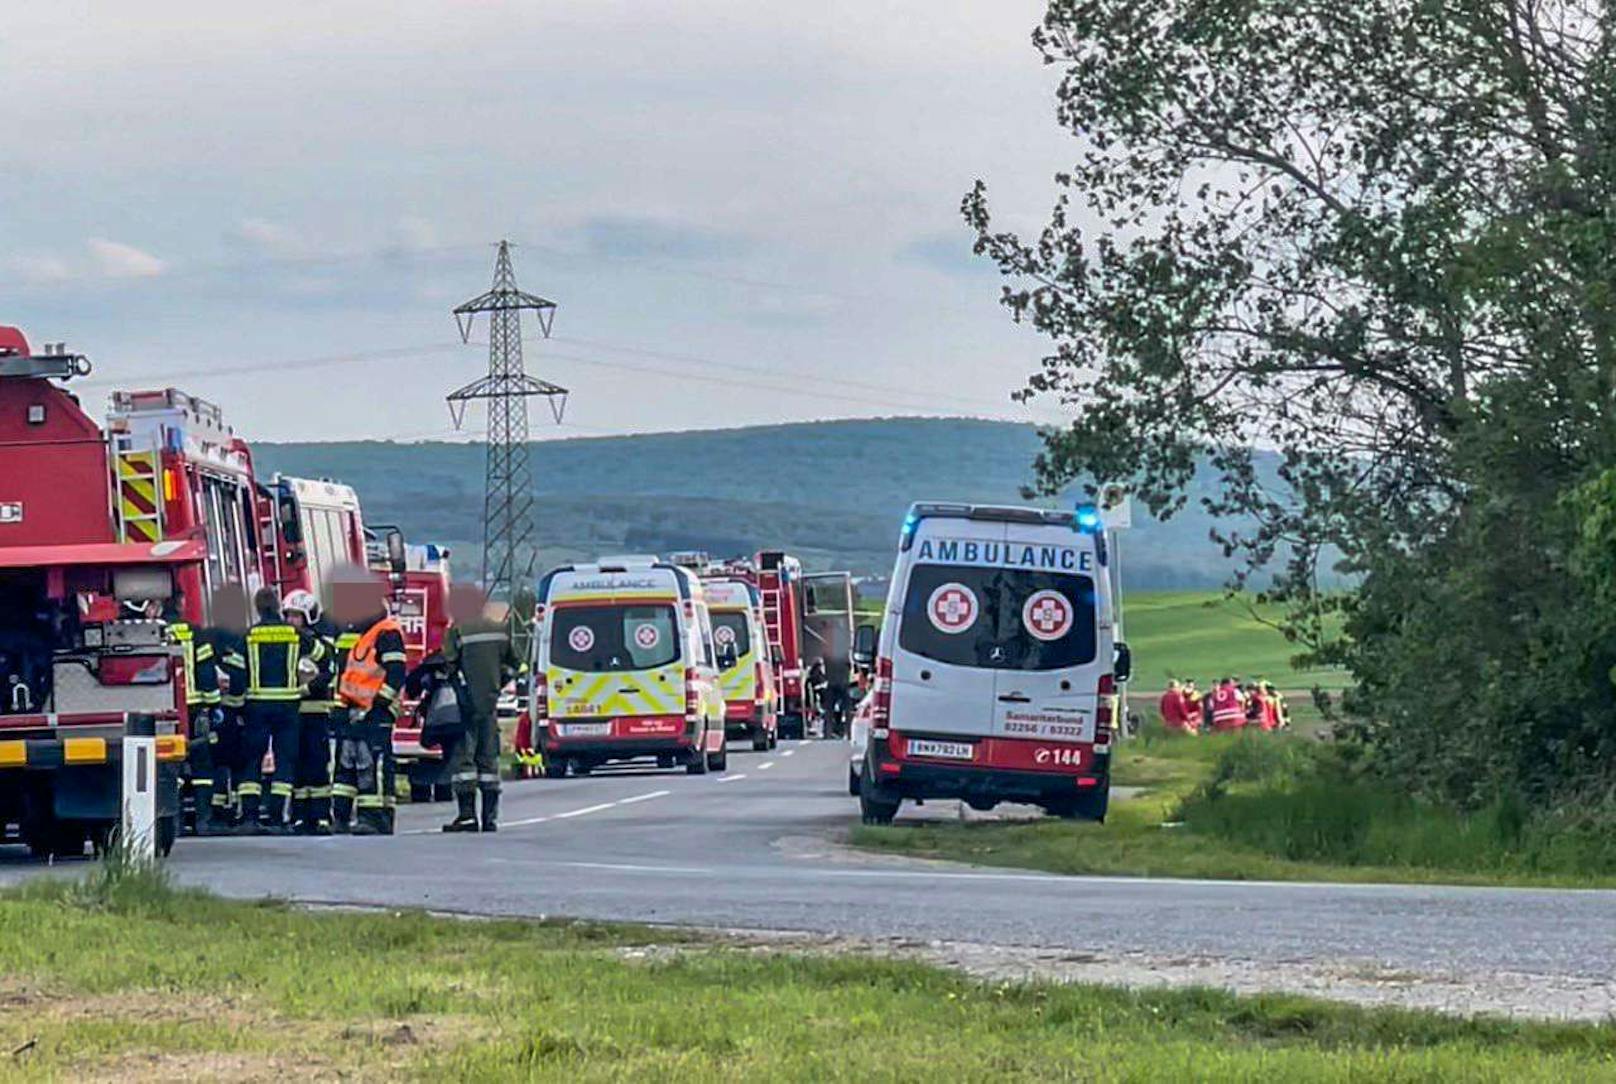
(950, 750)
(585, 730)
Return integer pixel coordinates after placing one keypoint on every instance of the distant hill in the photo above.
(832, 492)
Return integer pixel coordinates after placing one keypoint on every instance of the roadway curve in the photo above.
(755, 849)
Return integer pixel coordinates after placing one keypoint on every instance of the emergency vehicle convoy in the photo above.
(997, 670)
(627, 667)
(110, 537)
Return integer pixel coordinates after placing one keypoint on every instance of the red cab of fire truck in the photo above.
(85, 655)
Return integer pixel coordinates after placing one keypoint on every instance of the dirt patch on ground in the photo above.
(1359, 982)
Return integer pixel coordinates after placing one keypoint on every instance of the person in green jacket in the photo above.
(478, 651)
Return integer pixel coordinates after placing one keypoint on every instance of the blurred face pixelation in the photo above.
(466, 601)
(356, 595)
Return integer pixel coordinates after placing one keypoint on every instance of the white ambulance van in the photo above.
(747, 681)
(996, 665)
(625, 667)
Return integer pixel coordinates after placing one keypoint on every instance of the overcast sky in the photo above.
(746, 211)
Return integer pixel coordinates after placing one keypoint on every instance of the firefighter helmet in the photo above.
(304, 603)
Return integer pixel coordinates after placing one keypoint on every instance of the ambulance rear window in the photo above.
(730, 628)
(608, 638)
(998, 619)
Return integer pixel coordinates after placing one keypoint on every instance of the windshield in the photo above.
(730, 628)
(999, 619)
(608, 638)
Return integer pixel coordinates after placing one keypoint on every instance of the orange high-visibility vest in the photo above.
(364, 675)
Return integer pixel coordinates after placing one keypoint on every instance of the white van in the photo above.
(996, 666)
(625, 667)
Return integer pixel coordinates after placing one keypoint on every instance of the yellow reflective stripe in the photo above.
(204, 652)
(347, 640)
(13, 754)
(272, 634)
(84, 750)
(393, 656)
(344, 790)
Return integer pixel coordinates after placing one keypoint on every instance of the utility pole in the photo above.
(508, 551)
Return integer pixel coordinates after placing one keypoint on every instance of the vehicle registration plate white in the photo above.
(585, 730)
(951, 750)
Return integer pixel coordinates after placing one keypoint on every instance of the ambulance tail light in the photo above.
(1104, 708)
(541, 698)
(758, 684)
(692, 695)
(881, 698)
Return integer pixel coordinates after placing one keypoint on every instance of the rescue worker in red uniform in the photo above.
(311, 783)
(1174, 711)
(370, 687)
(1228, 709)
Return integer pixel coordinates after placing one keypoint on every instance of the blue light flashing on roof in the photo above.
(907, 534)
(1088, 518)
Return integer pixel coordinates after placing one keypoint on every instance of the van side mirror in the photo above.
(1122, 664)
(864, 645)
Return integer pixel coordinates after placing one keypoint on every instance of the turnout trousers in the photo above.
(364, 777)
(270, 725)
(311, 788)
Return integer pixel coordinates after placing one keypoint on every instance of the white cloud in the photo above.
(269, 239)
(118, 260)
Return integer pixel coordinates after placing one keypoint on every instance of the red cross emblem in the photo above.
(952, 608)
(581, 638)
(647, 636)
(1047, 615)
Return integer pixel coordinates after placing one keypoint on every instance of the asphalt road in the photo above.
(754, 849)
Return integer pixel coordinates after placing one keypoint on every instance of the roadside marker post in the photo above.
(139, 822)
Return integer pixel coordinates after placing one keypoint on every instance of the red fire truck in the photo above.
(85, 657)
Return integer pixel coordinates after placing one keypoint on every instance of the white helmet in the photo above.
(304, 603)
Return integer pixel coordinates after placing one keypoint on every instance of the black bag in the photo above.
(442, 720)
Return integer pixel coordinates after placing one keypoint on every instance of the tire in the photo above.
(697, 762)
(665, 761)
(760, 742)
(580, 766)
(852, 781)
(420, 792)
(555, 767)
(718, 761)
(1089, 806)
(774, 738)
(68, 839)
(875, 808)
(981, 805)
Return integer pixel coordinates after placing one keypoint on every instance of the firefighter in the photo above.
(343, 792)
(227, 633)
(311, 783)
(478, 649)
(275, 649)
(370, 687)
(202, 709)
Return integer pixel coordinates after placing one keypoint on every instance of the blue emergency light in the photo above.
(1088, 518)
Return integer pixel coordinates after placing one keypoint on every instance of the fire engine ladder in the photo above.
(139, 500)
(769, 589)
(269, 539)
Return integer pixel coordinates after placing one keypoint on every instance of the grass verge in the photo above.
(1271, 807)
(127, 978)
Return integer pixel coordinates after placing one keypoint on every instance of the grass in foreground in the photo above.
(1262, 807)
(128, 978)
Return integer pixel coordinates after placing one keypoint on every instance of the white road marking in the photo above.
(733, 778)
(643, 797)
(788, 752)
(584, 810)
(626, 868)
(526, 820)
(766, 765)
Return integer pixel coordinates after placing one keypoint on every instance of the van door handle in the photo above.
(627, 689)
(1015, 698)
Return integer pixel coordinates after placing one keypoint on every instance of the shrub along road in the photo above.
(755, 849)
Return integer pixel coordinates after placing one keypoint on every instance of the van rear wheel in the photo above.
(719, 761)
(874, 806)
(697, 762)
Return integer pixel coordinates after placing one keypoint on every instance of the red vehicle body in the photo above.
(779, 582)
(84, 659)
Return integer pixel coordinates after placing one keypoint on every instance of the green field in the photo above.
(1205, 635)
(123, 978)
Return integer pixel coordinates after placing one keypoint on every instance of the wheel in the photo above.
(760, 742)
(68, 839)
(981, 805)
(664, 760)
(580, 766)
(697, 762)
(874, 807)
(555, 767)
(719, 761)
(1088, 806)
(774, 738)
(852, 781)
(420, 792)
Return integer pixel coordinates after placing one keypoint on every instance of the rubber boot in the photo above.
(372, 822)
(215, 821)
(250, 825)
(490, 809)
(318, 814)
(276, 810)
(300, 816)
(342, 815)
(466, 817)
